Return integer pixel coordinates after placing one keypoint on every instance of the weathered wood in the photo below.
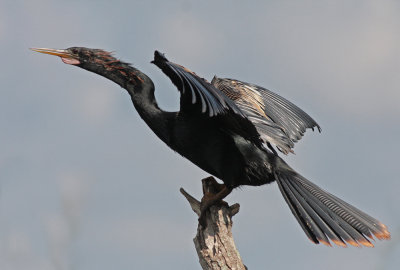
(214, 244)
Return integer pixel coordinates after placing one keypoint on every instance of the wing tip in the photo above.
(318, 127)
(159, 57)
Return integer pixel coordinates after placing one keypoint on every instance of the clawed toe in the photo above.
(213, 193)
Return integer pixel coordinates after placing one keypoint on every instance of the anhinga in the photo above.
(227, 128)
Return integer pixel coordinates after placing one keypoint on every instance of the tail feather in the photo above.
(323, 216)
(343, 231)
(312, 230)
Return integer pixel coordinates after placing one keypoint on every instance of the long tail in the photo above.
(324, 216)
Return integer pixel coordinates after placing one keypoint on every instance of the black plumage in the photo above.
(224, 127)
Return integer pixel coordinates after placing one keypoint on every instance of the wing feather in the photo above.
(262, 106)
(200, 98)
(195, 89)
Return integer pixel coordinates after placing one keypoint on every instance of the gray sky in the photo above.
(84, 184)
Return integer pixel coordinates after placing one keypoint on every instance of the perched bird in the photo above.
(229, 128)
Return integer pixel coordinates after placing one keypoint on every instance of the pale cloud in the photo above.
(62, 227)
(17, 252)
(17, 245)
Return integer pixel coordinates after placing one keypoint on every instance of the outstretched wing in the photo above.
(199, 97)
(278, 121)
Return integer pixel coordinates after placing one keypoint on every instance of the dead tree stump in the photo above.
(214, 244)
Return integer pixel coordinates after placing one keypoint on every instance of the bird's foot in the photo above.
(213, 193)
(207, 201)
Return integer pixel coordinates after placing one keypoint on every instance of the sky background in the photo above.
(84, 184)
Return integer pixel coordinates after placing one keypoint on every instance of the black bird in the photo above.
(227, 128)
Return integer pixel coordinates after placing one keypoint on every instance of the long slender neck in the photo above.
(141, 89)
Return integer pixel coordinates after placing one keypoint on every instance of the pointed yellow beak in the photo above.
(61, 53)
(66, 56)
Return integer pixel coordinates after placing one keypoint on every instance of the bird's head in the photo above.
(100, 62)
(81, 56)
(95, 60)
